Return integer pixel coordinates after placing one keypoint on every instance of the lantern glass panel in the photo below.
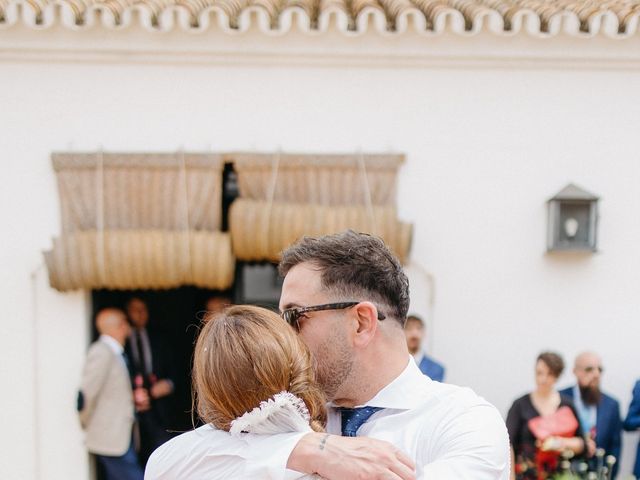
(574, 224)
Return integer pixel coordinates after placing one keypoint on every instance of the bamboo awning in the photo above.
(286, 196)
(175, 191)
(260, 231)
(347, 179)
(152, 221)
(140, 259)
(140, 221)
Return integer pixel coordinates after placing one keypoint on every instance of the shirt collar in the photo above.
(112, 343)
(406, 391)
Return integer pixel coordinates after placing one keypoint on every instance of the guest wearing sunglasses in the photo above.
(347, 296)
(599, 413)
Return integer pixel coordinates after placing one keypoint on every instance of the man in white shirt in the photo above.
(348, 297)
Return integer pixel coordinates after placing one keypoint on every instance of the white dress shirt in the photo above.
(450, 432)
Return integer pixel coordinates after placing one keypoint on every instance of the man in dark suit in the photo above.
(151, 371)
(599, 413)
(415, 332)
(632, 422)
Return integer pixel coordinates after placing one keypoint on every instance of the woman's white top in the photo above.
(210, 454)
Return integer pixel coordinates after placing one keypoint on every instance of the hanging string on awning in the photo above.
(259, 231)
(140, 221)
(153, 220)
(140, 259)
(286, 196)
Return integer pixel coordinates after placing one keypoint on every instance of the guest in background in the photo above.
(415, 331)
(531, 454)
(599, 414)
(215, 305)
(632, 422)
(105, 399)
(151, 370)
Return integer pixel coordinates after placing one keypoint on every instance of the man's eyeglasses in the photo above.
(292, 315)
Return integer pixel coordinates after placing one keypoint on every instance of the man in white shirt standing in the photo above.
(105, 399)
(348, 297)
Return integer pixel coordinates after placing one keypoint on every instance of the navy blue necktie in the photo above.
(353, 418)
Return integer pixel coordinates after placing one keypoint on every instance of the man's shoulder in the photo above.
(432, 362)
(454, 397)
(452, 412)
(609, 401)
(567, 392)
(99, 349)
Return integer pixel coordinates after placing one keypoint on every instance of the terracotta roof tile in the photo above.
(614, 18)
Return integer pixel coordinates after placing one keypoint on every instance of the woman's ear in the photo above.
(367, 323)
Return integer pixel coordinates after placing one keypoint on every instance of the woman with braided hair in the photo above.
(252, 377)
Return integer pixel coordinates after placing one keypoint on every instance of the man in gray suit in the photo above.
(106, 402)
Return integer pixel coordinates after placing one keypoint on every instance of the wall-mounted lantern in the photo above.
(573, 220)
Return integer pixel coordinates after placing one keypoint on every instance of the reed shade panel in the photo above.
(140, 221)
(260, 230)
(140, 259)
(318, 179)
(140, 191)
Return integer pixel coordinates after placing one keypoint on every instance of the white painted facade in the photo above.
(491, 126)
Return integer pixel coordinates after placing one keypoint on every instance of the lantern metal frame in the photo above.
(572, 197)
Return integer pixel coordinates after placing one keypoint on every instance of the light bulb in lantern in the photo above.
(571, 227)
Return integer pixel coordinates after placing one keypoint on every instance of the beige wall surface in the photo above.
(487, 143)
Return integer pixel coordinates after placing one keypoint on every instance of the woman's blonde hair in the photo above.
(245, 355)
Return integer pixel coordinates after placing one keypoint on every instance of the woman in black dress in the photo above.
(543, 402)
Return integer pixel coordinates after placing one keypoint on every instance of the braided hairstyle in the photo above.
(245, 355)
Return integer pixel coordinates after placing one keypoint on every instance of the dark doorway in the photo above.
(174, 315)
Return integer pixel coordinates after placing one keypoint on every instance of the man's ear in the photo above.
(367, 323)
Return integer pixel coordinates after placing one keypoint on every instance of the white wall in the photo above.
(486, 146)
